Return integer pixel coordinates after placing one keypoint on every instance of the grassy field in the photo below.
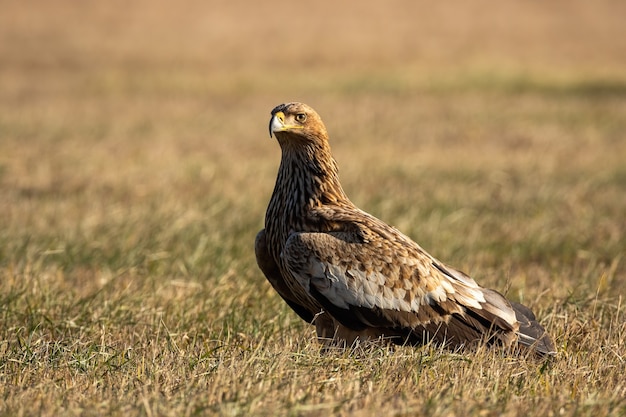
(135, 168)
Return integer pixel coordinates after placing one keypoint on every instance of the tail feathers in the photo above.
(531, 334)
(495, 316)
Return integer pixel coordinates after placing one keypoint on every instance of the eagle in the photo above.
(358, 279)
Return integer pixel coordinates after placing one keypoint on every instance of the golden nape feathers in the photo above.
(355, 277)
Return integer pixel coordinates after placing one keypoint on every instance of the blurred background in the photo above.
(135, 133)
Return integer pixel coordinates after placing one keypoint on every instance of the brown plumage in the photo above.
(357, 278)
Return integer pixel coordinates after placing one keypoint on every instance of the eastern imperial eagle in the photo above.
(357, 278)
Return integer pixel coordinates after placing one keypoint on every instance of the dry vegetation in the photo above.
(135, 167)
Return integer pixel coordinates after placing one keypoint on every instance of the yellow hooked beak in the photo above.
(277, 123)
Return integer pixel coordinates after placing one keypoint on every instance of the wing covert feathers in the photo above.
(356, 277)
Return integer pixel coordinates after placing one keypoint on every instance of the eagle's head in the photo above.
(296, 123)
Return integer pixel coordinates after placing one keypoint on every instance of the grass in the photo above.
(135, 168)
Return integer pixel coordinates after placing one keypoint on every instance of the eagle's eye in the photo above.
(300, 117)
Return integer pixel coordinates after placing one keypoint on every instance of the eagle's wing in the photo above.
(272, 273)
(368, 274)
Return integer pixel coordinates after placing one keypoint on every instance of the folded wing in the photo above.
(368, 279)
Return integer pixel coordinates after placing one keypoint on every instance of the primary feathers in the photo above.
(355, 277)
